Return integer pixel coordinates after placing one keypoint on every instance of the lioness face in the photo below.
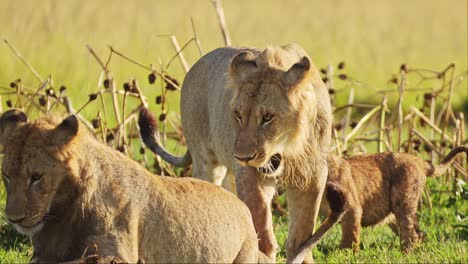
(262, 123)
(33, 177)
(267, 112)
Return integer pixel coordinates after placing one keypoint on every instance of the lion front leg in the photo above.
(257, 194)
(303, 208)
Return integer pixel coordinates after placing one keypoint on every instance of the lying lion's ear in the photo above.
(65, 132)
(296, 73)
(9, 121)
(242, 66)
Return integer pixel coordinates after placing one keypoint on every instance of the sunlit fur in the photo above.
(90, 193)
(29, 151)
(299, 131)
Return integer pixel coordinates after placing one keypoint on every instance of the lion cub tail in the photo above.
(438, 170)
(148, 126)
(338, 202)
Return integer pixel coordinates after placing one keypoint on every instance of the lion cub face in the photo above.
(32, 173)
(267, 110)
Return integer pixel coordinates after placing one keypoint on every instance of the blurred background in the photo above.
(372, 37)
(367, 44)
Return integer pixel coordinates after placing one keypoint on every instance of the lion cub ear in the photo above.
(65, 132)
(9, 121)
(242, 66)
(296, 73)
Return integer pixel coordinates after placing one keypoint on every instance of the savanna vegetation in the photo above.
(396, 72)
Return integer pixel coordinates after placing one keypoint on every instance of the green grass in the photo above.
(446, 228)
(372, 37)
(445, 225)
(14, 248)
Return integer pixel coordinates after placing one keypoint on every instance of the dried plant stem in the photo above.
(428, 121)
(145, 67)
(43, 85)
(18, 96)
(179, 53)
(347, 118)
(461, 137)
(448, 110)
(361, 122)
(124, 134)
(103, 105)
(457, 166)
(115, 100)
(364, 106)
(139, 94)
(428, 198)
(337, 142)
(383, 107)
(388, 142)
(222, 21)
(101, 127)
(401, 89)
(195, 36)
(18, 54)
(129, 117)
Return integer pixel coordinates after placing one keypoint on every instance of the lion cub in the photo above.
(67, 190)
(383, 188)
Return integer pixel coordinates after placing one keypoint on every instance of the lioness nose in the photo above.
(15, 221)
(245, 159)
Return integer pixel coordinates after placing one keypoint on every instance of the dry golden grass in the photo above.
(374, 37)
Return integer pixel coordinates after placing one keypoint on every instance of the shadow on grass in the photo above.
(10, 239)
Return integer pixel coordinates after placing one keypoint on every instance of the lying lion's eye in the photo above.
(267, 118)
(238, 116)
(35, 177)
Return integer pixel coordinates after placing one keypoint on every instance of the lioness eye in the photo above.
(35, 177)
(267, 118)
(238, 116)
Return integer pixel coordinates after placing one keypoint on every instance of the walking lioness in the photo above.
(261, 116)
(384, 188)
(66, 190)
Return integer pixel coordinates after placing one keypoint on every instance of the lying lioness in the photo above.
(383, 188)
(66, 190)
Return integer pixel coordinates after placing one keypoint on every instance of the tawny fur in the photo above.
(90, 193)
(66, 190)
(224, 98)
(383, 188)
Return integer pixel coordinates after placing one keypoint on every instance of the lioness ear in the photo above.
(65, 132)
(9, 121)
(296, 73)
(242, 66)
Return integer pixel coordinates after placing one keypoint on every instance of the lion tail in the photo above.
(338, 202)
(438, 170)
(148, 126)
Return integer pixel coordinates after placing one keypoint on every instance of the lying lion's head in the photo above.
(35, 171)
(274, 103)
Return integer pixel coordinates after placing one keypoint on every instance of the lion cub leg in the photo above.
(407, 219)
(351, 229)
(405, 196)
(408, 233)
(393, 224)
